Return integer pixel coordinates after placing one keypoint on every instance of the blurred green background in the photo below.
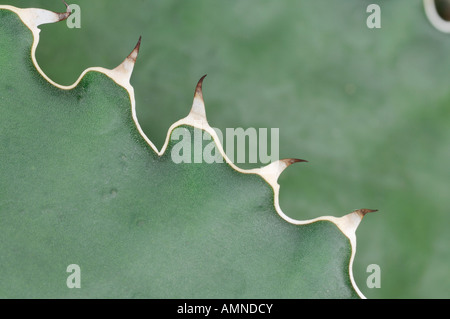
(369, 108)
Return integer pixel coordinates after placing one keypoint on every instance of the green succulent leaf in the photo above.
(82, 184)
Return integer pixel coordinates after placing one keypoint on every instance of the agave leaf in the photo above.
(82, 184)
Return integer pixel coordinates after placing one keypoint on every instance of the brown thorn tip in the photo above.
(138, 45)
(362, 212)
(198, 89)
(290, 161)
(133, 55)
(64, 15)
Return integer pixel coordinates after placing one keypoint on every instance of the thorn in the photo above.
(198, 110)
(133, 55)
(287, 162)
(138, 45)
(363, 211)
(198, 90)
(290, 161)
(125, 69)
(273, 171)
(64, 15)
(349, 223)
